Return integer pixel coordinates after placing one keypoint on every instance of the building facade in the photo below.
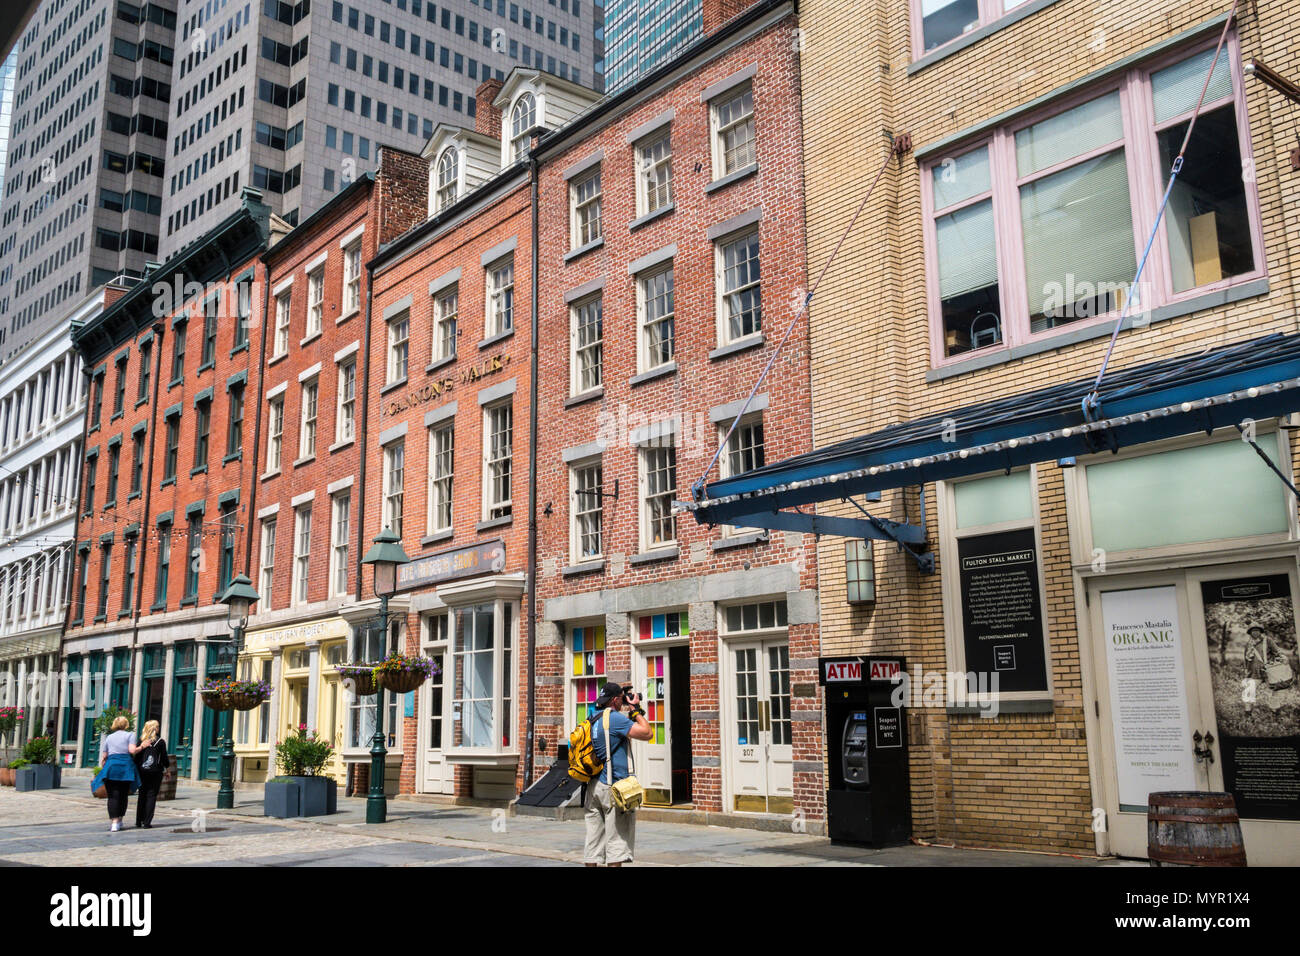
(643, 34)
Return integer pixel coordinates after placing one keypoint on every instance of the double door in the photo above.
(180, 742)
(758, 740)
(1198, 689)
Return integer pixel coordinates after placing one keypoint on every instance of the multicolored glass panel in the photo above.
(656, 626)
(587, 669)
(655, 695)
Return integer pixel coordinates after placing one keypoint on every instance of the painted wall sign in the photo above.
(437, 388)
(1148, 694)
(1002, 615)
(487, 557)
(296, 633)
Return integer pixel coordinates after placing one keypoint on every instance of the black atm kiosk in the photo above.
(868, 800)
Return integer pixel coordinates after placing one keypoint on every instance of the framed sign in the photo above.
(1001, 608)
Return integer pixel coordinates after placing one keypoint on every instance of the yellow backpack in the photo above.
(583, 765)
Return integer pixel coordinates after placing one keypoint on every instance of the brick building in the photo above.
(990, 264)
(671, 245)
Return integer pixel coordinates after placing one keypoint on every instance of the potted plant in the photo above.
(10, 717)
(359, 678)
(40, 772)
(247, 694)
(7, 773)
(214, 694)
(402, 674)
(301, 790)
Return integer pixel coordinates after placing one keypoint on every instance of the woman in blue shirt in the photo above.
(118, 772)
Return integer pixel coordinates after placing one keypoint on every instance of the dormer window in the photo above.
(448, 173)
(523, 117)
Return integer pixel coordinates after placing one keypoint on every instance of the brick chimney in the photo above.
(487, 118)
(113, 292)
(402, 192)
(718, 12)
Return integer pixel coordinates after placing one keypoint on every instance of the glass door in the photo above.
(760, 742)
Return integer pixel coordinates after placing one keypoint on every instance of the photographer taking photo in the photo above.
(611, 832)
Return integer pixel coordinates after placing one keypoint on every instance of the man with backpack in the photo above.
(618, 720)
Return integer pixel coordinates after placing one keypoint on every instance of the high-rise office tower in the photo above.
(84, 164)
(642, 34)
(136, 125)
(8, 72)
(295, 98)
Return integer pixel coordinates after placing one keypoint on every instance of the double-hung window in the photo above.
(741, 302)
(655, 312)
(235, 425)
(164, 552)
(588, 337)
(654, 174)
(346, 419)
(442, 443)
(301, 553)
(658, 482)
(352, 278)
(178, 351)
(394, 483)
(500, 297)
(584, 206)
(114, 463)
(244, 304)
(146, 369)
(119, 388)
(744, 452)
(316, 294)
(938, 22)
(105, 574)
(211, 310)
(399, 331)
(266, 572)
(128, 572)
(172, 448)
(281, 325)
(734, 147)
(275, 434)
(137, 464)
(341, 504)
(202, 425)
(586, 483)
(446, 307)
(1040, 225)
(498, 457)
(307, 433)
(447, 179)
(193, 557)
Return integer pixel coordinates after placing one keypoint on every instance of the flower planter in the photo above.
(215, 700)
(245, 701)
(361, 682)
(301, 797)
(282, 798)
(39, 776)
(400, 682)
(6, 777)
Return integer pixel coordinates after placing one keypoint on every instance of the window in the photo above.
(235, 426)
(316, 295)
(96, 406)
(92, 465)
(266, 573)
(114, 462)
(448, 178)
(193, 557)
(501, 297)
(394, 479)
(654, 175)
(209, 333)
(498, 440)
(658, 486)
(483, 677)
(172, 447)
(586, 484)
(105, 572)
(1063, 247)
(119, 391)
(83, 577)
(441, 454)
(281, 325)
(352, 278)
(341, 505)
(164, 547)
(307, 431)
(137, 463)
(202, 424)
(275, 435)
(584, 204)
(523, 117)
(445, 309)
(345, 429)
(744, 453)
(655, 309)
(399, 330)
(741, 312)
(937, 22)
(301, 552)
(226, 565)
(178, 352)
(733, 133)
(142, 390)
(244, 307)
(588, 344)
(587, 671)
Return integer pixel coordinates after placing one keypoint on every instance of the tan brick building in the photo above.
(992, 260)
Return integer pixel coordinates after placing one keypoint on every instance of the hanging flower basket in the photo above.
(214, 700)
(401, 674)
(360, 678)
(248, 694)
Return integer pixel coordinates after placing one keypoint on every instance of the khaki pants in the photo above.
(611, 833)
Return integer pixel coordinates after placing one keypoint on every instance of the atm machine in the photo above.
(868, 798)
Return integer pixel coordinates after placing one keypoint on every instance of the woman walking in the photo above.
(151, 760)
(117, 771)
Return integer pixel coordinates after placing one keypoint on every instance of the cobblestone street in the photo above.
(68, 827)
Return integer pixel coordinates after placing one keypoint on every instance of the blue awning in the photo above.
(1258, 379)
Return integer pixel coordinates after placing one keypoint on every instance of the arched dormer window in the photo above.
(448, 177)
(523, 117)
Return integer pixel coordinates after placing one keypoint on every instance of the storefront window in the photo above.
(483, 676)
(368, 646)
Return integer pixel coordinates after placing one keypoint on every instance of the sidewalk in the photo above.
(419, 833)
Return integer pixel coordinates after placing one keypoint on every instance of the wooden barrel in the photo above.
(168, 789)
(1194, 828)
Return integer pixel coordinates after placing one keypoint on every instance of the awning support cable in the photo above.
(1268, 461)
(899, 145)
(1089, 404)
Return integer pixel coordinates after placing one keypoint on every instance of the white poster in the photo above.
(1148, 696)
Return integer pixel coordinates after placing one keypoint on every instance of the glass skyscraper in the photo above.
(642, 34)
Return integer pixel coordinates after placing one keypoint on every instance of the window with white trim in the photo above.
(584, 209)
(442, 445)
(658, 486)
(936, 23)
(655, 312)
(586, 483)
(307, 433)
(744, 453)
(301, 553)
(588, 335)
(281, 346)
(266, 570)
(654, 174)
(341, 506)
(523, 117)
(316, 293)
(483, 677)
(399, 331)
(740, 306)
(275, 433)
(446, 309)
(346, 418)
(500, 297)
(734, 148)
(447, 179)
(498, 458)
(352, 278)
(394, 482)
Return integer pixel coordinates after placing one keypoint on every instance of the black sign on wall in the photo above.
(1001, 611)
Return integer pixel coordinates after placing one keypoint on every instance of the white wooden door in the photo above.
(438, 776)
(654, 762)
(759, 742)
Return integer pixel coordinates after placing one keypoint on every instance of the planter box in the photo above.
(282, 799)
(301, 797)
(41, 776)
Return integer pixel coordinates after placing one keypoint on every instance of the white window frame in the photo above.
(394, 485)
(283, 303)
(585, 210)
(340, 533)
(649, 172)
(494, 507)
(446, 314)
(722, 307)
(301, 555)
(446, 188)
(647, 457)
(584, 504)
(310, 412)
(266, 564)
(345, 422)
(352, 278)
(578, 349)
(719, 130)
(500, 305)
(642, 312)
(442, 478)
(518, 138)
(399, 346)
(275, 434)
(316, 295)
(727, 466)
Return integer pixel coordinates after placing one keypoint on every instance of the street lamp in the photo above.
(237, 599)
(385, 555)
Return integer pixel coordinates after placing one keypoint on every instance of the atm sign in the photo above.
(885, 670)
(844, 671)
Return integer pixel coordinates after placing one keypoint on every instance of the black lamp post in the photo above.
(385, 555)
(237, 599)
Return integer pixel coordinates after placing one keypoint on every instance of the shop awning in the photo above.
(1257, 379)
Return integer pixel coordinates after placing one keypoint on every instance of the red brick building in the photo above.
(671, 262)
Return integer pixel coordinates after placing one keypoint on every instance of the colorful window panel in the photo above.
(588, 669)
(654, 693)
(655, 626)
